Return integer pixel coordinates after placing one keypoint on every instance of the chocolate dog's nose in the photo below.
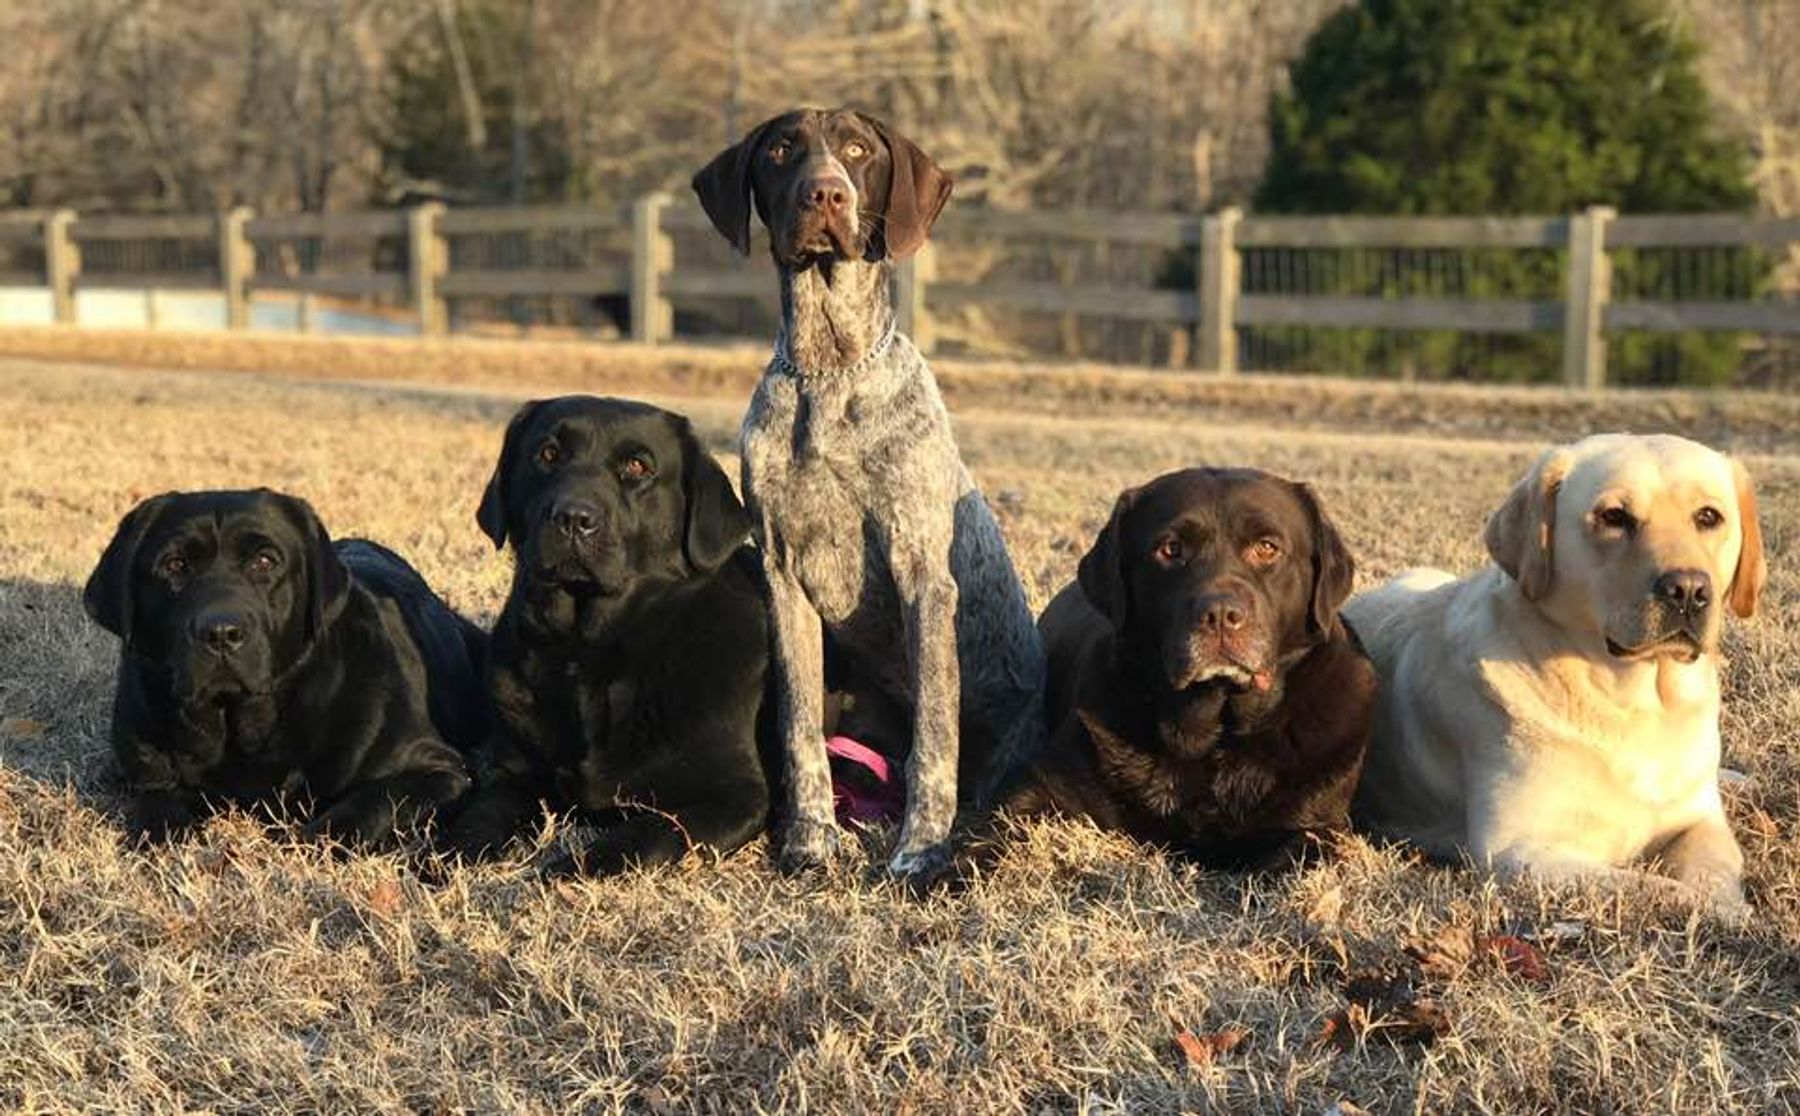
(1687, 590)
(1222, 612)
(575, 518)
(221, 632)
(828, 192)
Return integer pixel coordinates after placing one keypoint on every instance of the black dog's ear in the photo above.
(724, 188)
(1333, 570)
(916, 195)
(107, 597)
(327, 578)
(1101, 573)
(717, 523)
(493, 512)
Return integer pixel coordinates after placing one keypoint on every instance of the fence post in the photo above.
(62, 264)
(237, 266)
(1584, 308)
(911, 278)
(652, 257)
(1218, 290)
(428, 259)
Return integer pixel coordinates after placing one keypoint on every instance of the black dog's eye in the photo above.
(263, 562)
(1170, 550)
(173, 565)
(636, 468)
(549, 454)
(856, 149)
(1709, 519)
(1615, 519)
(1264, 551)
(779, 150)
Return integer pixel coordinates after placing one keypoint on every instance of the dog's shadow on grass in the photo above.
(56, 689)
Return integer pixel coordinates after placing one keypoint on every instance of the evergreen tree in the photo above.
(1509, 106)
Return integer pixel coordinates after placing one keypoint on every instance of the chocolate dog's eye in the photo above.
(636, 468)
(1615, 519)
(1264, 551)
(264, 561)
(549, 454)
(855, 149)
(174, 565)
(1709, 519)
(1170, 550)
(779, 150)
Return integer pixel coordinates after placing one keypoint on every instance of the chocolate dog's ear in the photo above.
(107, 597)
(1333, 570)
(493, 513)
(916, 195)
(1101, 573)
(724, 188)
(327, 578)
(1521, 536)
(717, 523)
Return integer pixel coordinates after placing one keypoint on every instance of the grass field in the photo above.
(241, 971)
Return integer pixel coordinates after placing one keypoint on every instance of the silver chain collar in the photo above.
(784, 360)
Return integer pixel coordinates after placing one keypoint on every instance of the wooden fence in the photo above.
(407, 261)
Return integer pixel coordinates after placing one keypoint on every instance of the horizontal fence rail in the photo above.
(1575, 279)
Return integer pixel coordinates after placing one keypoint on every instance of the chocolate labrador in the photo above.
(260, 661)
(627, 665)
(1203, 693)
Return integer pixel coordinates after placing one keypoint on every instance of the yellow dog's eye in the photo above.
(1615, 519)
(1709, 519)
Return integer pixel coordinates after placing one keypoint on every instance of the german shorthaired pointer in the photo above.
(867, 518)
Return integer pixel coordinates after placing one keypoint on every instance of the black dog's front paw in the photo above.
(160, 816)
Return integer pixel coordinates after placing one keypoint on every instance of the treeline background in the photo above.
(193, 105)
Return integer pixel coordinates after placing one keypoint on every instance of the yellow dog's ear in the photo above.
(1521, 536)
(1752, 572)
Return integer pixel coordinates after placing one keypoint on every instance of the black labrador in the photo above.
(1203, 693)
(262, 662)
(627, 667)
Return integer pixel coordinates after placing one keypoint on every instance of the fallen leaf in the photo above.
(656, 1099)
(385, 898)
(1764, 823)
(22, 728)
(1445, 955)
(1341, 1028)
(1202, 1050)
(1384, 1004)
(1562, 932)
(1518, 957)
(1327, 907)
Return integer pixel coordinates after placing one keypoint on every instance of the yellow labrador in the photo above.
(1558, 711)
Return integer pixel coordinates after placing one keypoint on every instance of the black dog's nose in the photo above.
(1687, 590)
(827, 192)
(575, 518)
(1219, 612)
(222, 633)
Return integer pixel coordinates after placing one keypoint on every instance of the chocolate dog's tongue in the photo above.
(1263, 681)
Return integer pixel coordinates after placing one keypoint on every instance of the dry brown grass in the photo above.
(239, 971)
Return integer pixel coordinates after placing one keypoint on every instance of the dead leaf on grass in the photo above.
(1202, 1050)
(1446, 954)
(1518, 957)
(385, 898)
(22, 728)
